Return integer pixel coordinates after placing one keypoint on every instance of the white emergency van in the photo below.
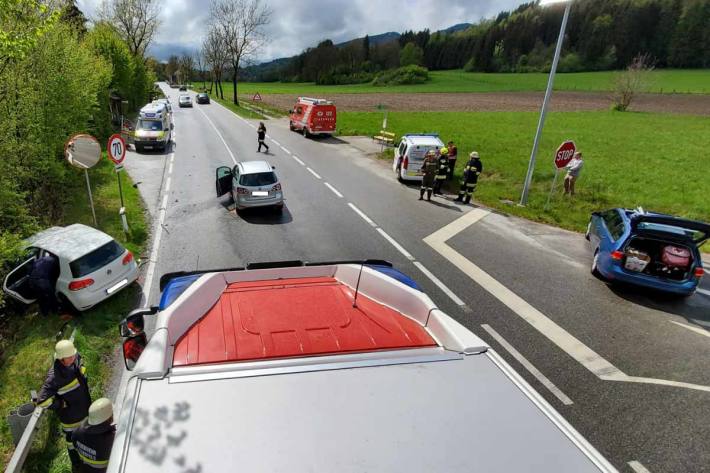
(409, 155)
(325, 367)
(154, 127)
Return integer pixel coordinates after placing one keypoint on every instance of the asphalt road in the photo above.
(626, 367)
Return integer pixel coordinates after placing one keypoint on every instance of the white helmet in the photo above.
(474, 154)
(100, 411)
(64, 349)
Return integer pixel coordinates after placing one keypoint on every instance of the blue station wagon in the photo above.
(647, 249)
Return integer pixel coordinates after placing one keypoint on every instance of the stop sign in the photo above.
(564, 154)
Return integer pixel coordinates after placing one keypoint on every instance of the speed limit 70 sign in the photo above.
(116, 149)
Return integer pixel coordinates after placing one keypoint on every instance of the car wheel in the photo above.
(279, 209)
(595, 267)
(305, 132)
(290, 126)
(139, 149)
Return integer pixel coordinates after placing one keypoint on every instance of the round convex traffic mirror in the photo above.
(82, 151)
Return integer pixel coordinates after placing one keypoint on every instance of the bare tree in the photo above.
(199, 60)
(634, 80)
(171, 68)
(215, 53)
(240, 24)
(187, 64)
(136, 20)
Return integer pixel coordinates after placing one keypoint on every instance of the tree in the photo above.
(411, 54)
(171, 68)
(366, 47)
(215, 53)
(72, 16)
(136, 20)
(199, 59)
(632, 81)
(187, 65)
(240, 24)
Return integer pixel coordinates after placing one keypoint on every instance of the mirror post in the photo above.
(91, 198)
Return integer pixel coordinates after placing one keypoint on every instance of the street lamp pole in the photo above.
(543, 111)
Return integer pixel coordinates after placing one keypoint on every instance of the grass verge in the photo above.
(657, 161)
(27, 340)
(695, 81)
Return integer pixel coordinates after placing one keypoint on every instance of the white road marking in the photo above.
(170, 169)
(165, 202)
(394, 243)
(298, 160)
(528, 366)
(285, 150)
(335, 191)
(698, 330)
(275, 142)
(220, 136)
(167, 184)
(440, 284)
(314, 173)
(362, 214)
(638, 467)
(703, 291)
(584, 355)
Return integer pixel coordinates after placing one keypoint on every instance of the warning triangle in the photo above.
(256, 97)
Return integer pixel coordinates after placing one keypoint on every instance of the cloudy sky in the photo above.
(297, 25)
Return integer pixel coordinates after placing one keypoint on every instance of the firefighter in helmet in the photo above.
(442, 170)
(473, 169)
(93, 439)
(428, 171)
(66, 390)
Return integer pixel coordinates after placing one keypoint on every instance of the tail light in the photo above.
(699, 271)
(242, 191)
(277, 187)
(128, 258)
(617, 255)
(80, 284)
(405, 164)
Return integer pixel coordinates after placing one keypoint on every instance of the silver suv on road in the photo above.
(251, 184)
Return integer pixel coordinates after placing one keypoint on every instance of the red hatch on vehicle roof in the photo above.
(294, 317)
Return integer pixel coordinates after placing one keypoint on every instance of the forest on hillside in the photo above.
(601, 35)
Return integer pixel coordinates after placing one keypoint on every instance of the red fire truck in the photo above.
(312, 117)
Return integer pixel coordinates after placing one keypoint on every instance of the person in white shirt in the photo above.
(574, 167)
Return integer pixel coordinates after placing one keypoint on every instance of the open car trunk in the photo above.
(661, 258)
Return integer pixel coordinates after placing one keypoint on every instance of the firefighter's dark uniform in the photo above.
(42, 282)
(441, 172)
(93, 443)
(66, 390)
(428, 170)
(473, 169)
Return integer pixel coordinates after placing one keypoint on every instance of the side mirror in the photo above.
(132, 349)
(134, 323)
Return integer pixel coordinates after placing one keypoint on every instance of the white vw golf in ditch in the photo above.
(92, 266)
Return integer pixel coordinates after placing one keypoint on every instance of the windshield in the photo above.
(152, 125)
(97, 259)
(258, 179)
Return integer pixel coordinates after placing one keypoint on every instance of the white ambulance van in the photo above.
(154, 127)
(409, 155)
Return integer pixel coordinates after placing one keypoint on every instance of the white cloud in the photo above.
(297, 25)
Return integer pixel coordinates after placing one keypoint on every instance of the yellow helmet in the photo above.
(474, 154)
(64, 349)
(100, 411)
(444, 150)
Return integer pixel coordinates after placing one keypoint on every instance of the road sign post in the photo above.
(116, 148)
(256, 99)
(563, 156)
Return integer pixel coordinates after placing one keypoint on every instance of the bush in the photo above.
(470, 66)
(404, 75)
(570, 63)
(344, 79)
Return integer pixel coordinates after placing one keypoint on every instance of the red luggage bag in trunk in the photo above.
(675, 257)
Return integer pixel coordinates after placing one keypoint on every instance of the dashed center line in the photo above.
(335, 191)
(220, 136)
(314, 173)
(361, 214)
(275, 142)
(698, 330)
(394, 243)
(285, 150)
(703, 291)
(638, 467)
(298, 160)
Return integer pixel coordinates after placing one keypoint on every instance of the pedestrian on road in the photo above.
(66, 390)
(473, 169)
(261, 134)
(42, 282)
(453, 153)
(574, 167)
(428, 171)
(93, 439)
(442, 171)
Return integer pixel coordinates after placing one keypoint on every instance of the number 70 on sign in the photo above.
(116, 149)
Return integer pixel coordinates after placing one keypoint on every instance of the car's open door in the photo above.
(224, 180)
(16, 284)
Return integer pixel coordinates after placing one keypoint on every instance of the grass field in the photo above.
(27, 341)
(662, 81)
(657, 161)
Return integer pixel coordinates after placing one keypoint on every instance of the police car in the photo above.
(320, 367)
(154, 127)
(410, 152)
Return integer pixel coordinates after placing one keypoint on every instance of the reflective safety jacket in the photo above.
(66, 390)
(474, 167)
(428, 170)
(93, 445)
(443, 167)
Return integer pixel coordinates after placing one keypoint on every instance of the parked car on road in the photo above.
(647, 249)
(185, 101)
(202, 98)
(313, 117)
(251, 184)
(183, 88)
(409, 155)
(93, 266)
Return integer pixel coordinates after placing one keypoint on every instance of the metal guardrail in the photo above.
(23, 446)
